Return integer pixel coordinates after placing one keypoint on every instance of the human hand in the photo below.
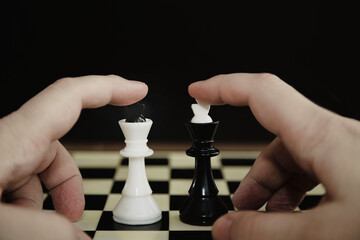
(30, 152)
(313, 145)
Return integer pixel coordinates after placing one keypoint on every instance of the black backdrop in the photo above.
(168, 45)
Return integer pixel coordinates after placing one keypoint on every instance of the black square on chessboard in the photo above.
(237, 161)
(90, 234)
(190, 235)
(95, 202)
(149, 162)
(156, 186)
(48, 204)
(176, 201)
(92, 202)
(310, 201)
(117, 186)
(189, 173)
(232, 186)
(45, 190)
(106, 222)
(97, 172)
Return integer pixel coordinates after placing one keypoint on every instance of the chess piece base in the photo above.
(137, 211)
(202, 211)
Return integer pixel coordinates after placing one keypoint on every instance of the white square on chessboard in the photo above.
(162, 200)
(153, 173)
(89, 220)
(160, 154)
(181, 186)
(181, 160)
(318, 190)
(135, 235)
(94, 159)
(97, 186)
(235, 173)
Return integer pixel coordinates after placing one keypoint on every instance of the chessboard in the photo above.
(170, 176)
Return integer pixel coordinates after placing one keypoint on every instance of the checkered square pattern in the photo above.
(170, 175)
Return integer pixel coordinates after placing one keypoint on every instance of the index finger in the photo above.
(54, 111)
(271, 100)
(302, 125)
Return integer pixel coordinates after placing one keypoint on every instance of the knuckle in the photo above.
(63, 82)
(65, 85)
(351, 126)
(113, 76)
(264, 80)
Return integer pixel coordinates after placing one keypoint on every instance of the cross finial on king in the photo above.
(201, 111)
(134, 113)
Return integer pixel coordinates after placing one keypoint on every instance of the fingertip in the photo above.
(140, 88)
(139, 84)
(193, 88)
(205, 91)
(129, 92)
(68, 199)
(143, 87)
(221, 228)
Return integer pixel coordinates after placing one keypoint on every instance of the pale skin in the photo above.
(313, 145)
(30, 152)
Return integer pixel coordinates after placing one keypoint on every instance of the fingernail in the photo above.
(138, 83)
(221, 228)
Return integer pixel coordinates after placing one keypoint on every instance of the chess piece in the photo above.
(134, 113)
(203, 206)
(201, 111)
(136, 206)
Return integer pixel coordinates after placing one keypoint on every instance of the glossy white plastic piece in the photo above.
(136, 206)
(201, 113)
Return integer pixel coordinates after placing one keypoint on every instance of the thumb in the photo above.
(27, 223)
(280, 225)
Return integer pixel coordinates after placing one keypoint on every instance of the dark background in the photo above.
(168, 45)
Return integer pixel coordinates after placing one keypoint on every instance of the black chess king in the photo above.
(203, 205)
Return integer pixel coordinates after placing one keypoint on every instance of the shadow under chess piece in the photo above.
(203, 206)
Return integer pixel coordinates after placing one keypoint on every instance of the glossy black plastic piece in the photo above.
(203, 206)
(134, 113)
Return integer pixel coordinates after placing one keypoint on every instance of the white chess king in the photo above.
(136, 206)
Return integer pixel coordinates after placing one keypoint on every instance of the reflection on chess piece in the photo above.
(136, 206)
(203, 206)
